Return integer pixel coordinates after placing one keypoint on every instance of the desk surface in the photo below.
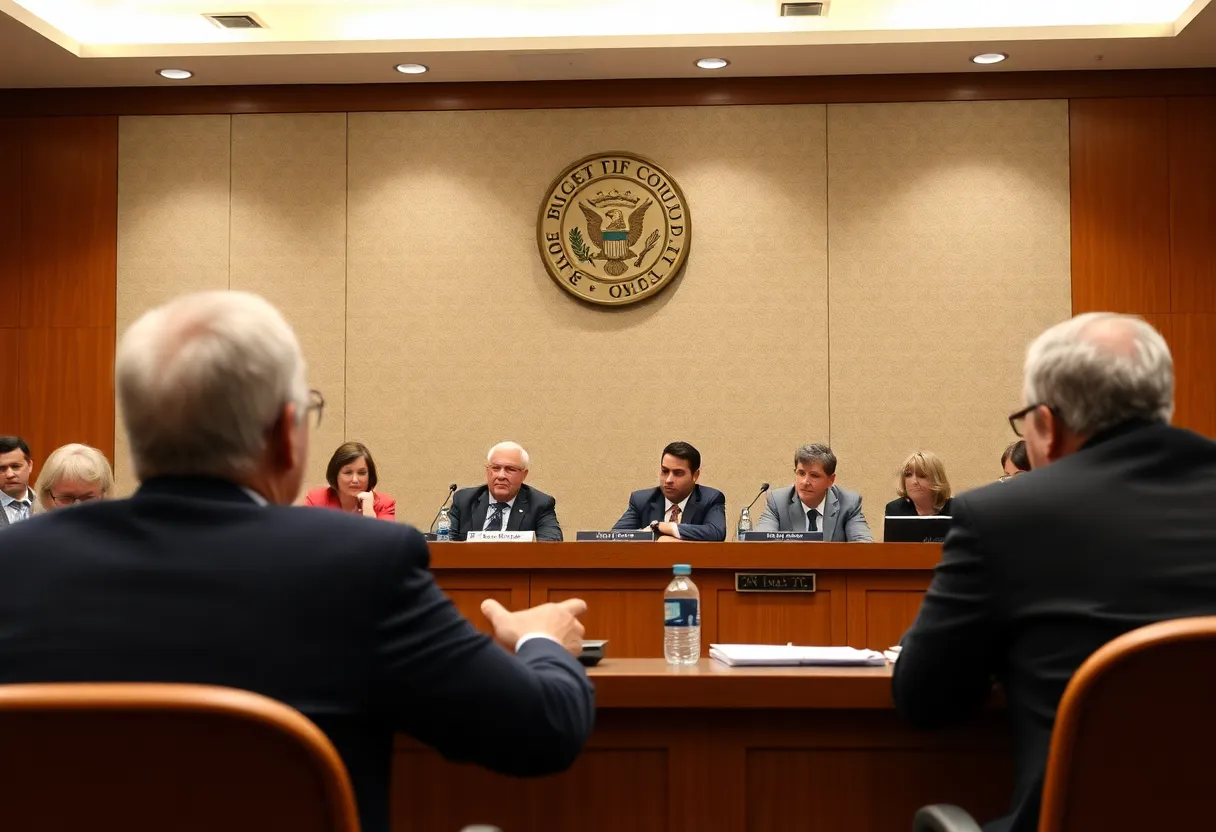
(652, 683)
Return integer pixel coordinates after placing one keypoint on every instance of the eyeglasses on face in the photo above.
(72, 499)
(509, 470)
(316, 404)
(1017, 420)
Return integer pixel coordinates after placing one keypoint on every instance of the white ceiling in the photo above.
(122, 42)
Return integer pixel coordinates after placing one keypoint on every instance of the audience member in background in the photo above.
(16, 497)
(923, 487)
(1015, 460)
(679, 508)
(73, 474)
(814, 503)
(207, 575)
(351, 475)
(1039, 572)
(504, 503)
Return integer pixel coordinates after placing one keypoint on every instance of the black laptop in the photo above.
(927, 529)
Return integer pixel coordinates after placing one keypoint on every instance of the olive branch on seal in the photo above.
(581, 250)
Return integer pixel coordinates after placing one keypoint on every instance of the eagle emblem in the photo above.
(615, 239)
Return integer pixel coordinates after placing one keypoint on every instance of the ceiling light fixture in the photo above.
(712, 63)
(411, 69)
(989, 58)
(175, 74)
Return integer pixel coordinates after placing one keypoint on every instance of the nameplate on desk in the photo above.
(633, 534)
(770, 537)
(774, 582)
(501, 537)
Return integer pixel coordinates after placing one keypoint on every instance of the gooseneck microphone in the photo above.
(763, 488)
(451, 491)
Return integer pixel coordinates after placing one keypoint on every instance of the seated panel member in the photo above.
(814, 503)
(1015, 460)
(17, 499)
(679, 507)
(352, 479)
(73, 474)
(924, 490)
(504, 503)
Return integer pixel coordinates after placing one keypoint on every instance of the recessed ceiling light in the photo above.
(175, 74)
(989, 58)
(411, 69)
(712, 63)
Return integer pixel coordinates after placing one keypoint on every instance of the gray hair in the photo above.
(75, 462)
(202, 379)
(1099, 370)
(510, 446)
(815, 452)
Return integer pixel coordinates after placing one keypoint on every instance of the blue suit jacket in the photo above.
(704, 515)
(338, 616)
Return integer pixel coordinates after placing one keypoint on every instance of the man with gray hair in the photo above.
(505, 503)
(208, 575)
(814, 503)
(1111, 530)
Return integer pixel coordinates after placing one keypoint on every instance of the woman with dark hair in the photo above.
(352, 481)
(1015, 460)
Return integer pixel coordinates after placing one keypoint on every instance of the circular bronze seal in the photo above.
(614, 228)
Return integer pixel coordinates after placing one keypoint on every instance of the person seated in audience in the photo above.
(679, 508)
(16, 497)
(209, 575)
(1015, 460)
(1039, 572)
(814, 503)
(73, 474)
(505, 503)
(923, 487)
(351, 475)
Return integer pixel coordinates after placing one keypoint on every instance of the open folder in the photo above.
(778, 655)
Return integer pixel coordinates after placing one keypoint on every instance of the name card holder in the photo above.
(501, 537)
(772, 537)
(633, 535)
(774, 582)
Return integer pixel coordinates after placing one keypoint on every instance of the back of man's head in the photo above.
(1100, 370)
(202, 380)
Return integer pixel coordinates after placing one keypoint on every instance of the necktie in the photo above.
(494, 524)
(810, 519)
(674, 516)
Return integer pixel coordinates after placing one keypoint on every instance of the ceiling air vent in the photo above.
(235, 21)
(804, 9)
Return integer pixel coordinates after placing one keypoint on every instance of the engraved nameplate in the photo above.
(774, 582)
(767, 537)
(618, 535)
(501, 537)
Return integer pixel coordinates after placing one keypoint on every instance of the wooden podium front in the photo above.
(866, 594)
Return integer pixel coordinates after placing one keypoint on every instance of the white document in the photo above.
(501, 537)
(777, 655)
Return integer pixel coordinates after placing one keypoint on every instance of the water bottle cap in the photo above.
(681, 569)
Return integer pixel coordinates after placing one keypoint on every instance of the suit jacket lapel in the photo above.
(654, 509)
(481, 507)
(516, 519)
(831, 508)
(3, 516)
(795, 520)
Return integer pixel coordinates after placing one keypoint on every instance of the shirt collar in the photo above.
(510, 502)
(255, 496)
(667, 504)
(818, 506)
(6, 500)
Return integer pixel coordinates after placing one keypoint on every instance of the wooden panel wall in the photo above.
(1144, 228)
(58, 235)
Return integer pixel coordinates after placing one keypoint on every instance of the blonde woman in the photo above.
(923, 487)
(73, 474)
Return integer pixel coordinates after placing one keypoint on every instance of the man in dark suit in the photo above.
(1113, 529)
(679, 507)
(505, 503)
(207, 575)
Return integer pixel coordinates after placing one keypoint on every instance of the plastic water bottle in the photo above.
(443, 527)
(745, 524)
(681, 618)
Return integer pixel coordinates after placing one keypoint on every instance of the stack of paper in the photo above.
(777, 655)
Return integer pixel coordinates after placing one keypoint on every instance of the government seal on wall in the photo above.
(614, 228)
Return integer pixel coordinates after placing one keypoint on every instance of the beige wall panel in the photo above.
(173, 176)
(948, 251)
(289, 244)
(458, 338)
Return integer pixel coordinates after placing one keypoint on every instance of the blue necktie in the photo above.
(495, 522)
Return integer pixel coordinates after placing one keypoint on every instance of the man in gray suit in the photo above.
(814, 502)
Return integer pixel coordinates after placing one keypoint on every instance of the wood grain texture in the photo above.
(778, 618)
(69, 226)
(1120, 205)
(881, 606)
(670, 92)
(66, 388)
(10, 410)
(626, 609)
(467, 591)
(1192, 159)
(11, 133)
(1193, 343)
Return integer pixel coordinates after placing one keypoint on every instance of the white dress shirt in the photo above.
(506, 513)
(806, 521)
(12, 511)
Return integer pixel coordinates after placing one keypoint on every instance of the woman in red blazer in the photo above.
(352, 481)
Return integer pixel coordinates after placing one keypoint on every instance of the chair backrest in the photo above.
(1134, 737)
(153, 757)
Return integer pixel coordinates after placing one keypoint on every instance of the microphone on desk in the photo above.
(451, 491)
(763, 488)
(745, 516)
